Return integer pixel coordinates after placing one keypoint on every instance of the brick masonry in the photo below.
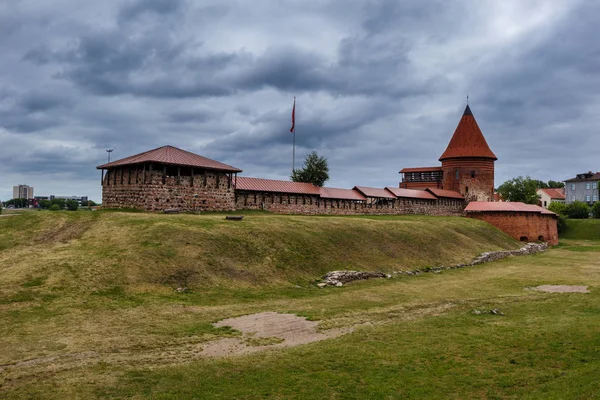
(313, 205)
(207, 191)
(522, 226)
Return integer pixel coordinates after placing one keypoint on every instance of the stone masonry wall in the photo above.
(313, 205)
(522, 226)
(210, 192)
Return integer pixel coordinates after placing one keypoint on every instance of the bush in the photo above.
(561, 223)
(558, 208)
(45, 204)
(54, 207)
(0, 208)
(596, 209)
(72, 205)
(578, 210)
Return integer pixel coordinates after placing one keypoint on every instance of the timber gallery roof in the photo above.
(172, 156)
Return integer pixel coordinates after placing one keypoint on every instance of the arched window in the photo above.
(472, 174)
(456, 174)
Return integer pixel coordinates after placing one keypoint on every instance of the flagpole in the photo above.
(294, 140)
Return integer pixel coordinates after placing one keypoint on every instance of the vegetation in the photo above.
(520, 189)
(72, 205)
(550, 185)
(578, 210)
(558, 207)
(19, 203)
(54, 207)
(94, 312)
(596, 209)
(315, 170)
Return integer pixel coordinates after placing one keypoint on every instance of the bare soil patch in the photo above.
(284, 330)
(561, 289)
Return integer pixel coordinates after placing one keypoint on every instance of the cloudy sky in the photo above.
(381, 85)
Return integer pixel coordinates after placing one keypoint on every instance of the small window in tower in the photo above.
(472, 174)
(456, 174)
(466, 189)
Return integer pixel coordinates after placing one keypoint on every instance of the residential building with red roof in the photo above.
(548, 196)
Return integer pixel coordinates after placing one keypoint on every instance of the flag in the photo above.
(293, 117)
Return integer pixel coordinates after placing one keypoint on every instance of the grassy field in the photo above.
(89, 310)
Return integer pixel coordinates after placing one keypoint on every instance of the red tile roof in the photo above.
(420, 169)
(445, 193)
(468, 141)
(173, 156)
(375, 192)
(506, 206)
(557, 194)
(341, 194)
(411, 193)
(273, 185)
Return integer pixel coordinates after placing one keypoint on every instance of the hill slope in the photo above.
(92, 251)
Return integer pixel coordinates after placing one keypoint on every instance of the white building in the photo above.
(22, 192)
(547, 196)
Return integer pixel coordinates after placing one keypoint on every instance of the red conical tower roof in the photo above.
(468, 141)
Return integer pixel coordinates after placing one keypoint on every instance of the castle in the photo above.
(467, 165)
(171, 178)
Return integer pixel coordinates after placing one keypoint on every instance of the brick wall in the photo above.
(208, 191)
(522, 226)
(475, 178)
(299, 204)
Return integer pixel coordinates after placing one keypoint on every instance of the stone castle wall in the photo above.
(314, 205)
(134, 188)
(522, 226)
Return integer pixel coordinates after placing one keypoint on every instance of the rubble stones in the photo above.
(338, 278)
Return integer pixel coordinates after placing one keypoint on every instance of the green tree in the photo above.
(558, 207)
(91, 203)
(59, 202)
(556, 185)
(55, 207)
(596, 209)
(520, 189)
(0, 208)
(72, 205)
(315, 170)
(578, 210)
(541, 184)
(45, 204)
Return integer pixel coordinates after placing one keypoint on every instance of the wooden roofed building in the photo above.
(167, 178)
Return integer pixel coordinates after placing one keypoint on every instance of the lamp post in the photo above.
(109, 151)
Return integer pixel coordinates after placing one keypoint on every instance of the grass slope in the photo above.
(132, 338)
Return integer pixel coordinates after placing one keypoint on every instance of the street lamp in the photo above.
(109, 151)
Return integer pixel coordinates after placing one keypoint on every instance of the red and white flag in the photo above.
(293, 117)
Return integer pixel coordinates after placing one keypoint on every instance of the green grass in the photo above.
(582, 229)
(89, 299)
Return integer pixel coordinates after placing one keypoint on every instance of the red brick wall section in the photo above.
(313, 205)
(522, 226)
(474, 188)
(206, 194)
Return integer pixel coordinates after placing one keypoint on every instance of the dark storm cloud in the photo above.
(380, 85)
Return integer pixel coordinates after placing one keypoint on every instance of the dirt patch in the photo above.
(561, 289)
(283, 330)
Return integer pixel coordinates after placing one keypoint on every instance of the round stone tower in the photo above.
(468, 162)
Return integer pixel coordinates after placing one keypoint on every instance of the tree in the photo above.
(556, 185)
(45, 204)
(596, 209)
(54, 207)
(558, 207)
(520, 189)
(59, 202)
(315, 170)
(72, 205)
(578, 210)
